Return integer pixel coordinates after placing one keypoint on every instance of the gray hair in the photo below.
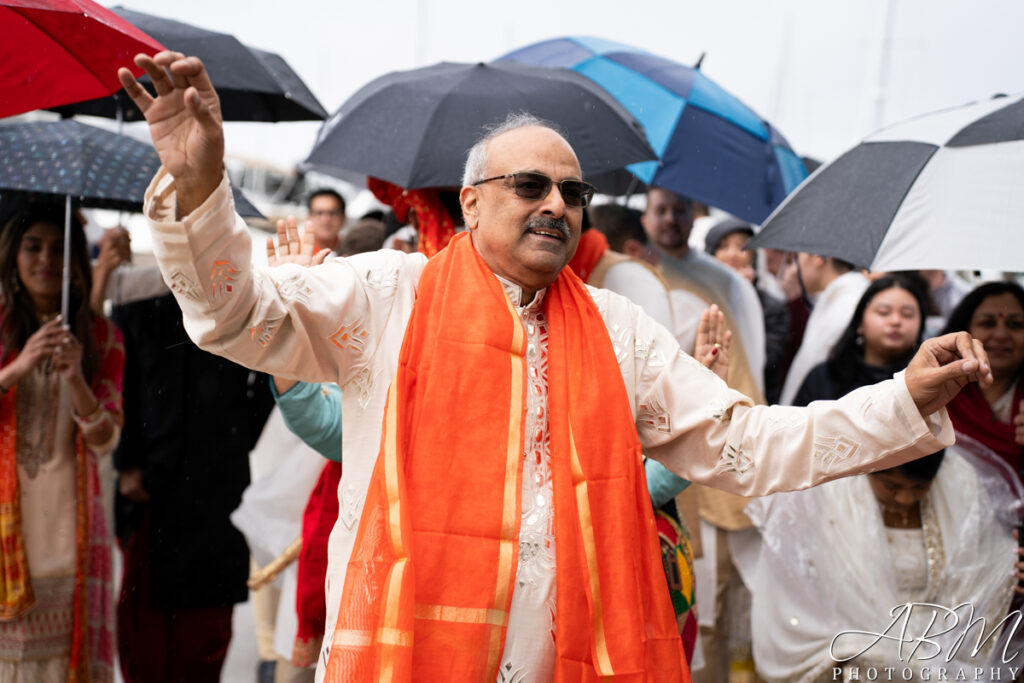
(476, 160)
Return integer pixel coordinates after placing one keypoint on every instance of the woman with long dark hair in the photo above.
(60, 409)
(994, 313)
(880, 340)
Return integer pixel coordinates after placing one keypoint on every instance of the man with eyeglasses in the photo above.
(326, 217)
(505, 531)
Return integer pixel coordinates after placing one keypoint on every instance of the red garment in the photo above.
(310, 601)
(972, 415)
(433, 223)
(589, 251)
(429, 584)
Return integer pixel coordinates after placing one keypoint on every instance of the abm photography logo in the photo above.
(932, 643)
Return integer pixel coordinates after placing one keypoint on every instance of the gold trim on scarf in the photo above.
(603, 663)
(353, 639)
(462, 615)
(389, 635)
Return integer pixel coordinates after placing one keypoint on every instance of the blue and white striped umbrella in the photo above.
(711, 146)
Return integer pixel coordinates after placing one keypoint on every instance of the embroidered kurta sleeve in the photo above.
(313, 413)
(707, 433)
(312, 324)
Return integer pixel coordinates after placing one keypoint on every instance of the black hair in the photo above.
(921, 470)
(842, 360)
(20, 318)
(960, 318)
(618, 223)
(325, 192)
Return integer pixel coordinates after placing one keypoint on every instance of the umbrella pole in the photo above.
(65, 287)
(120, 131)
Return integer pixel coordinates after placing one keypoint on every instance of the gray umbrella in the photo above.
(413, 128)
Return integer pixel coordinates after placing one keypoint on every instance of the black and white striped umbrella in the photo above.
(943, 190)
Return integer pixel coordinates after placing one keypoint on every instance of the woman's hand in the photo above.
(712, 347)
(67, 357)
(43, 343)
(131, 487)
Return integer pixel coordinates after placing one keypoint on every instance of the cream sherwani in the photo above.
(344, 321)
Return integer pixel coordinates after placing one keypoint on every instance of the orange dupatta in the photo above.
(593, 244)
(430, 580)
(16, 594)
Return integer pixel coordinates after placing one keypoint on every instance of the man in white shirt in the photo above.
(346, 321)
(835, 287)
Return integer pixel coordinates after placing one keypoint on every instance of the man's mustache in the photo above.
(550, 223)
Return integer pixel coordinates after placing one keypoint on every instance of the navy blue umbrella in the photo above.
(69, 161)
(94, 167)
(711, 146)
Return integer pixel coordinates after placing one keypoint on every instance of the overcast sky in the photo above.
(811, 67)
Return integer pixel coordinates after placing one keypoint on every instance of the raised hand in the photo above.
(942, 366)
(712, 346)
(184, 121)
(291, 248)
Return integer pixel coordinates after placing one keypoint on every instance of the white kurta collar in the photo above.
(515, 294)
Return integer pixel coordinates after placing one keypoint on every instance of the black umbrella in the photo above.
(253, 85)
(413, 128)
(95, 167)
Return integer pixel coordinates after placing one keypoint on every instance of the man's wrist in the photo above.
(192, 192)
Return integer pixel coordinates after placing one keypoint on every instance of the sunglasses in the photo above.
(537, 186)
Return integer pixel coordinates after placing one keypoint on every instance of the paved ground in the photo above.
(243, 658)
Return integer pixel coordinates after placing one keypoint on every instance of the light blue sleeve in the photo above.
(313, 412)
(662, 484)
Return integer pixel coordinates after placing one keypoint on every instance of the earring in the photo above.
(859, 341)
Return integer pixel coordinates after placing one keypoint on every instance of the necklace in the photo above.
(902, 514)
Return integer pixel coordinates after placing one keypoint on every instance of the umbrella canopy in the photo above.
(711, 146)
(59, 51)
(95, 167)
(253, 85)
(414, 128)
(937, 191)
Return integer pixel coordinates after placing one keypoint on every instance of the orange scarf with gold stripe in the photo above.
(429, 584)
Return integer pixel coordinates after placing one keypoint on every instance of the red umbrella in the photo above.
(60, 51)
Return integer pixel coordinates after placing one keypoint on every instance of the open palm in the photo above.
(184, 118)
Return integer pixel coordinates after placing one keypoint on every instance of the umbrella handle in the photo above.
(65, 286)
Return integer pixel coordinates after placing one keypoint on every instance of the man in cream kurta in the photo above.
(344, 321)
